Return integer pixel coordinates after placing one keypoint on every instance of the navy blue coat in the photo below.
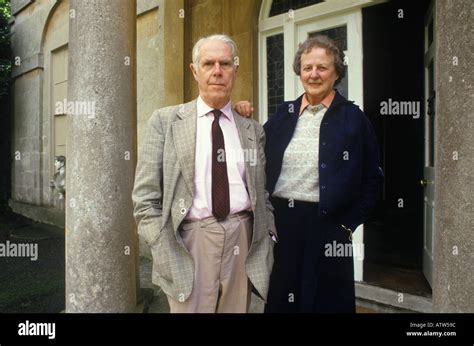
(349, 171)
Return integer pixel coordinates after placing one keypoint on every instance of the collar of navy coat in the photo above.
(184, 135)
(281, 127)
(289, 117)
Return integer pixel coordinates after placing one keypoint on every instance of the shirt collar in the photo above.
(326, 102)
(203, 109)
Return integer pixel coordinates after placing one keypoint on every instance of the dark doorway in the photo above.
(393, 35)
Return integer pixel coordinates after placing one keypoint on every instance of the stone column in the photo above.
(453, 284)
(100, 238)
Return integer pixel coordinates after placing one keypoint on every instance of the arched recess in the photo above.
(54, 45)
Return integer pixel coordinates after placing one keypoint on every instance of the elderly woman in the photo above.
(323, 176)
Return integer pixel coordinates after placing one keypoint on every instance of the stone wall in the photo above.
(27, 28)
(40, 29)
(167, 30)
(454, 198)
(238, 19)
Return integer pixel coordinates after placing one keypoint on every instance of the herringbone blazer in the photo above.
(164, 190)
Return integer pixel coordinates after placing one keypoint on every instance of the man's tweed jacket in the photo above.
(163, 194)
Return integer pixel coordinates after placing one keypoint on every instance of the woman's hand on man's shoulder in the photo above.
(244, 108)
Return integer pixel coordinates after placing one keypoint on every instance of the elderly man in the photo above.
(199, 201)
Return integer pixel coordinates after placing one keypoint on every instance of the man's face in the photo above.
(216, 73)
(318, 74)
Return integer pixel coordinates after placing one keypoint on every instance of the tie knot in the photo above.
(217, 113)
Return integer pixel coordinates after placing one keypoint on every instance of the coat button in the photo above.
(325, 211)
(323, 187)
(323, 165)
(183, 211)
(323, 143)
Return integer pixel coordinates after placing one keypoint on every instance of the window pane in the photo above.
(275, 73)
(282, 6)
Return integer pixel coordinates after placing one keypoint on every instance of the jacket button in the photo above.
(325, 211)
(323, 143)
(323, 165)
(323, 187)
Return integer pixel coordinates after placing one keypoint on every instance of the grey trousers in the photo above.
(219, 250)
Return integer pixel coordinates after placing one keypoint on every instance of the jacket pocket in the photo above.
(161, 258)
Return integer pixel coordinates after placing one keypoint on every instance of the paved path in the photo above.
(29, 285)
(38, 285)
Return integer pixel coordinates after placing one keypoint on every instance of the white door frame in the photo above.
(429, 170)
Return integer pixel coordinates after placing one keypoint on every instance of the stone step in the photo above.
(386, 300)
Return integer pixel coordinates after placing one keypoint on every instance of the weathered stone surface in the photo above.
(239, 20)
(19, 5)
(100, 236)
(48, 215)
(149, 65)
(28, 29)
(146, 5)
(454, 198)
(26, 139)
(31, 132)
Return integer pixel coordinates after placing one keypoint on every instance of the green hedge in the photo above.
(5, 52)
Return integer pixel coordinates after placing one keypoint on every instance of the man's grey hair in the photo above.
(223, 38)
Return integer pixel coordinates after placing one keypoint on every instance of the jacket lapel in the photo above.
(184, 136)
(249, 144)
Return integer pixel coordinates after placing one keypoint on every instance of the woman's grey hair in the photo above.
(223, 38)
(321, 41)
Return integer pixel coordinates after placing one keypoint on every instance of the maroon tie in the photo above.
(220, 182)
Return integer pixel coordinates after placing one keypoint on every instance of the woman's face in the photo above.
(318, 74)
